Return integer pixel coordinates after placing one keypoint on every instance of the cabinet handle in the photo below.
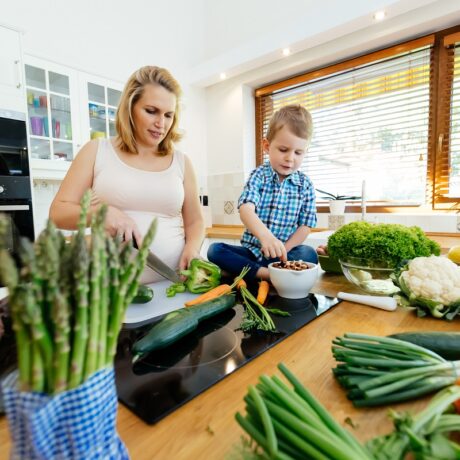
(18, 73)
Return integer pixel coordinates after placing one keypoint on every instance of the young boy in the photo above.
(277, 205)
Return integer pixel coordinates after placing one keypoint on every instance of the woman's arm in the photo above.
(298, 237)
(192, 216)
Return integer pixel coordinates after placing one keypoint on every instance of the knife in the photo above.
(157, 265)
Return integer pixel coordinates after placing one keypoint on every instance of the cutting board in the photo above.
(140, 313)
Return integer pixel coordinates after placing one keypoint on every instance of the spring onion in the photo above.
(382, 370)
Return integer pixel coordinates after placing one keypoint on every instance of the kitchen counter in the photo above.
(205, 427)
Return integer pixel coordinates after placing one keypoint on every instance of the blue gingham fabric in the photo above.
(281, 206)
(75, 424)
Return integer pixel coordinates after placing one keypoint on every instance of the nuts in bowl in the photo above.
(296, 265)
(293, 279)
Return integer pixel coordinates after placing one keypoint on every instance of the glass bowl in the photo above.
(372, 277)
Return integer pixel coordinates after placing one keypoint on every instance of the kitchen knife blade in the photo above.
(157, 265)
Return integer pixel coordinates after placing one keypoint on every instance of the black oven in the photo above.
(15, 182)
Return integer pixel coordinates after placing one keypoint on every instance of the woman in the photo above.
(139, 175)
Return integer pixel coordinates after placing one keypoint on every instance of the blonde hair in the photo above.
(295, 117)
(132, 92)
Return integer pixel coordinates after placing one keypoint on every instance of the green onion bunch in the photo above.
(287, 422)
(68, 299)
(382, 370)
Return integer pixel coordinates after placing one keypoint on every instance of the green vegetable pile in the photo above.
(390, 243)
(68, 299)
(286, 422)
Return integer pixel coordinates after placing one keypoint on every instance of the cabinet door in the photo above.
(51, 92)
(11, 71)
(100, 98)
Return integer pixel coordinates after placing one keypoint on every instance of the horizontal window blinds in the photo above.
(370, 123)
(454, 140)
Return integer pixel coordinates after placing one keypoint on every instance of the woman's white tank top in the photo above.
(144, 195)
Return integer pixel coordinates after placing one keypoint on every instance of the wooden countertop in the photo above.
(205, 427)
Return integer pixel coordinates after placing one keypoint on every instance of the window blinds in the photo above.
(454, 147)
(370, 123)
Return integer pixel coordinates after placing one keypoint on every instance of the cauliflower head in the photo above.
(434, 278)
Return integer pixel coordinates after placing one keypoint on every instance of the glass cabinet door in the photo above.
(49, 114)
(102, 107)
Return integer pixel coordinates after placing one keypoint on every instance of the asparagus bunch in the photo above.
(68, 299)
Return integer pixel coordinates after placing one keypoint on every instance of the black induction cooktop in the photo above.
(166, 379)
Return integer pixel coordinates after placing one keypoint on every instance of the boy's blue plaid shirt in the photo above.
(282, 206)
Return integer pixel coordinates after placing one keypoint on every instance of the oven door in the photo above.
(20, 222)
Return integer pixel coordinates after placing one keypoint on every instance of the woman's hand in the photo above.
(272, 247)
(321, 250)
(187, 255)
(117, 223)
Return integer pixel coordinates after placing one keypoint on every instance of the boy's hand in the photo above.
(272, 247)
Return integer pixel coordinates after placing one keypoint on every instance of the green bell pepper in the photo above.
(174, 288)
(202, 276)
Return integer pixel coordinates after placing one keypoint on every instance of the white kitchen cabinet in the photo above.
(11, 71)
(64, 107)
(100, 100)
(52, 109)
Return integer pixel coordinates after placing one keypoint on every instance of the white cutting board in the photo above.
(159, 305)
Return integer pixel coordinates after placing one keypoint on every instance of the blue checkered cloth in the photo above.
(282, 206)
(75, 424)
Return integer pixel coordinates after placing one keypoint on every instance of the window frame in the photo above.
(437, 176)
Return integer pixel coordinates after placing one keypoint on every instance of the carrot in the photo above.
(211, 294)
(218, 291)
(262, 293)
(241, 283)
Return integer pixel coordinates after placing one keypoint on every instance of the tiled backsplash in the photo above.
(224, 191)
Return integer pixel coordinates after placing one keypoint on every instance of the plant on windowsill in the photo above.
(337, 203)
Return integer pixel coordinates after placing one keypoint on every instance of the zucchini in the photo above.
(144, 294)
(179, 323)
(445, 344)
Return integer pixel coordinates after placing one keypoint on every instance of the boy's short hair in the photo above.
(295, 117)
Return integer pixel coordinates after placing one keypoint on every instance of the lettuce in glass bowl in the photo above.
(371, 276)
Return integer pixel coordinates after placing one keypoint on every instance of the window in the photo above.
(376, 119)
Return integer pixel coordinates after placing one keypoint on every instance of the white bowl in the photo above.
(292, 284)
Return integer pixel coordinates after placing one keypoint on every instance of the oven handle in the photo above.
(14, 207)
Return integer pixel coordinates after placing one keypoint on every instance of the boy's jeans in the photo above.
(233, 259)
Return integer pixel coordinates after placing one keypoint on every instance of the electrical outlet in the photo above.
(458, 223)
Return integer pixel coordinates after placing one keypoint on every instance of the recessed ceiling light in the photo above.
(379, 15)
(223, 76)
(286, 52)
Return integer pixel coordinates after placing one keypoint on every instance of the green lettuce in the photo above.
(390, 243)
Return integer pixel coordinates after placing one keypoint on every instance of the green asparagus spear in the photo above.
(127, 290)
(61, 315)
(95, 298)
(80, 327)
